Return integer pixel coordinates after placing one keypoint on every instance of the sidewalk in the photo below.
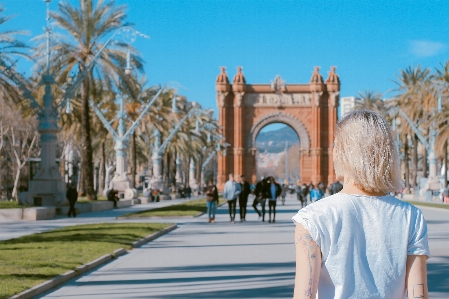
(202, 260)
(15, 229)
(224, 260)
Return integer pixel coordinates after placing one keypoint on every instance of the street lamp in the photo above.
(48, 183)
(158, 148)
(120, 181)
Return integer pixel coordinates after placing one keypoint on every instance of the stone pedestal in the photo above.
(47, 187)
(192, 179)
(178, 178)
(120, 181)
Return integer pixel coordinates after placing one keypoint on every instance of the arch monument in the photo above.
(309, 109)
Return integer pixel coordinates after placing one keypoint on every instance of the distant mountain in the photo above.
(274, 141)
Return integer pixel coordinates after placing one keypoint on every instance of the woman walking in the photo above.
(211, 200)
(362, 242)
(285, 189)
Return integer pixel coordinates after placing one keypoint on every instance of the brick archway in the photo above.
(280, 117)
(310, 109)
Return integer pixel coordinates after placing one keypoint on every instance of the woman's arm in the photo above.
(416, 277)
(308, 264)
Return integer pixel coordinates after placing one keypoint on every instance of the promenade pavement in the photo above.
(224, 260)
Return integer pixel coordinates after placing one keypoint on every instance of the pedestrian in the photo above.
(243, 197)
(231, 193)
(316, 194)
(72, 197)
(260, 197)
(113, 196)
(187, 191)
(274, 190)
(337, 250)
(305, 193)
(322, 187)
(298, 191)
(285, 189)
(211, 200)
(335, 188)
(446, 194)
(181, 192)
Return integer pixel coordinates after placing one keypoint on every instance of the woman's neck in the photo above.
(349, 187)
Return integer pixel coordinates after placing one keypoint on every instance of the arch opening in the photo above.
(278, 152)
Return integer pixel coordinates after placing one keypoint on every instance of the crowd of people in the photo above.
(268, 190)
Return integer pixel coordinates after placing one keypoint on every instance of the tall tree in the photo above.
(87, 27)
(10, 49)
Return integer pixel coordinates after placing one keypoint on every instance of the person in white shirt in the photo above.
(231, 192)
(362, 242)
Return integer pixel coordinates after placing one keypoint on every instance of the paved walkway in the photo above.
(224, 260)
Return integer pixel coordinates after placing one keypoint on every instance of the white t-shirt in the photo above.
(364, 241)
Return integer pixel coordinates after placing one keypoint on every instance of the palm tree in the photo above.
(86, 27)
(10, 49)
(370, 100)
(414, 95)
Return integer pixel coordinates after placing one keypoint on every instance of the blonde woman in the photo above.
(362, 242)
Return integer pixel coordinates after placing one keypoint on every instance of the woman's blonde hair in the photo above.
(366, 153)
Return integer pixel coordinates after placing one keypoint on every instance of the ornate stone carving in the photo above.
(221, 98)
(316, 97)
(277, 100)
(333, 96)
(239, 98)
(278, 85)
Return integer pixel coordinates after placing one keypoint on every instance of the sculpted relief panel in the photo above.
(276, 100)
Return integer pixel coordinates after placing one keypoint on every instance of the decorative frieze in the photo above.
(278, 100)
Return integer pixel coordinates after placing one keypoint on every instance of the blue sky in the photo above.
(368, 41)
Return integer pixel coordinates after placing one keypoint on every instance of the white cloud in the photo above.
(426, 48)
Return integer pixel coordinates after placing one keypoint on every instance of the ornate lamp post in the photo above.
(48, 183)
(120, 181)
(158, 148)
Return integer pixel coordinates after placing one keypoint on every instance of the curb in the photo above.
(153, 236)
(60, 279)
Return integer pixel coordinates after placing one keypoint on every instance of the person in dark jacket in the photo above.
(335, 188)
(259, 197)
(211, 200)
(72, 197)
(274, 190)
(304, 193)
(243, 197)
(113, 196)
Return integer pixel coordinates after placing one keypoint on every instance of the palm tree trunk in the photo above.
(86, 143)
(167, 169)
(102, 168)
(133, 160)
(174, 172)
(445, 164)
(407, 167)
(415, 160)
(424, 164)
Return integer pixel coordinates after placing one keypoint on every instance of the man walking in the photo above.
(259, 197)
(72, 197)
(231, 192)
(335, 188)
(274, 190)
(243, 197)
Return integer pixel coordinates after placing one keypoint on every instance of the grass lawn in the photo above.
(83, 199)
(11, 205)
(428, 204)
(30, 260)
(189, 208)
